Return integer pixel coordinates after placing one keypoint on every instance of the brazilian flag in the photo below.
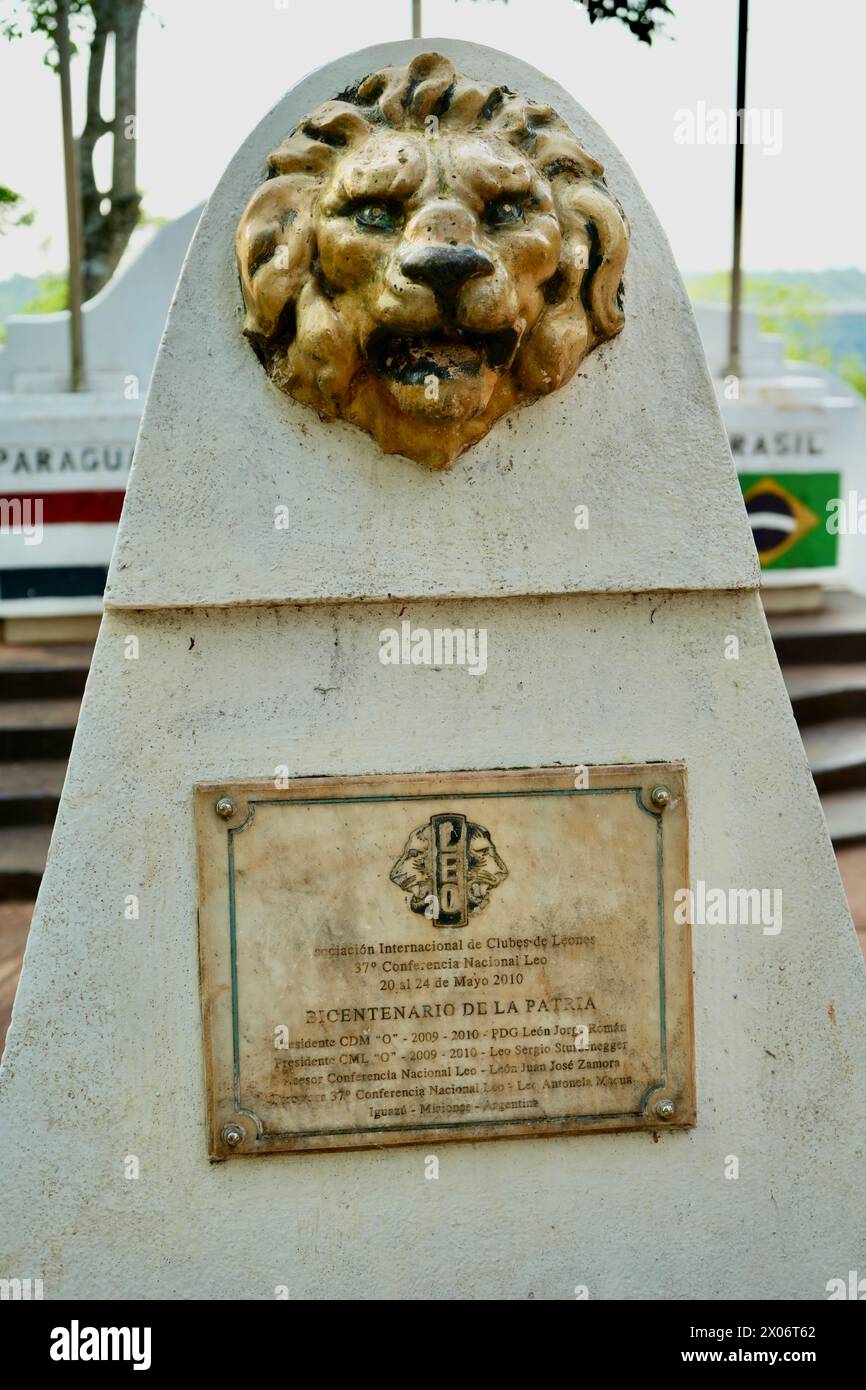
(788, 515)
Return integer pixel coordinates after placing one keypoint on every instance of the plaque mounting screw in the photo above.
(665, 1109)
(225, 808)
(660, 797)
(232, 1135)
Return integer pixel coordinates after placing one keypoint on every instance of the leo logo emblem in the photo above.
(448, 867)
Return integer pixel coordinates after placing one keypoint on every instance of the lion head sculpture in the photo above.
(427, 253)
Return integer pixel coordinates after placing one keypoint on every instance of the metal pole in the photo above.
(73, 200)
(739, 160)
(416, 19)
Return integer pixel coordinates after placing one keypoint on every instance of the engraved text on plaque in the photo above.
(415, 958)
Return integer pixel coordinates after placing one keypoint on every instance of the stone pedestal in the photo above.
(231, 648)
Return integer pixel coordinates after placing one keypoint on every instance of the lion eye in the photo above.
(503, 212)
(378, 217)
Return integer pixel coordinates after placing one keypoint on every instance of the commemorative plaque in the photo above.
(409, 959)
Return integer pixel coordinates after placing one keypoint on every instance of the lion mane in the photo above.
(427, 253)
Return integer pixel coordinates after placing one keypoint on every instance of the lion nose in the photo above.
(445, 269)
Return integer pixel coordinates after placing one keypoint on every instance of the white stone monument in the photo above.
(798, 438)
(64, 456)
(598, 538)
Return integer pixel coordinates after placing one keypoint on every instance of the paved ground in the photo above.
(14, 925)
(852, 866)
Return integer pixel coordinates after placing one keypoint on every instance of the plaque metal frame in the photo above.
(227, 810)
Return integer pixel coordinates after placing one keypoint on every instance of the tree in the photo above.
(643, 17)
(12, 214)
(53, 294)
(109, 216)
(796, 310)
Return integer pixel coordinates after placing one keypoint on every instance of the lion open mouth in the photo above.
(410, 359)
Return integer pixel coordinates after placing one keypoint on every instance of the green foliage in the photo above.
(845, 285)
(151, 219)
(40, 17)
(53, 294)
(793, 306)
(11, 212)
(795, 309)
(642, 17)
(15, 293)
(852, 369)
(108, 217)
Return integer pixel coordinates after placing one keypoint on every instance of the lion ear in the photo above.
(584, 307)
(275, 246)
(608, 236)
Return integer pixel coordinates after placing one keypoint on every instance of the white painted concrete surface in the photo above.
(122, 325)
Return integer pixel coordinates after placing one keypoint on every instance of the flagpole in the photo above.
(73, 200)
(739, 160)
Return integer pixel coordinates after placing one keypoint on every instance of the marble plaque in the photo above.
(413, 958)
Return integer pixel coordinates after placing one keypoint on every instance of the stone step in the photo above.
(23, 852)
(852, 867)
(34, 673)
(837, 632)
(846, 816)
(828, 691)
(40, 729)
(837, 754)
(30, 791)
(14, 926)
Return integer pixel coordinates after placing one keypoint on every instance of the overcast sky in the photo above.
(209, 69)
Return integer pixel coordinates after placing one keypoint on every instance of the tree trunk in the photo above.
(107, 233)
